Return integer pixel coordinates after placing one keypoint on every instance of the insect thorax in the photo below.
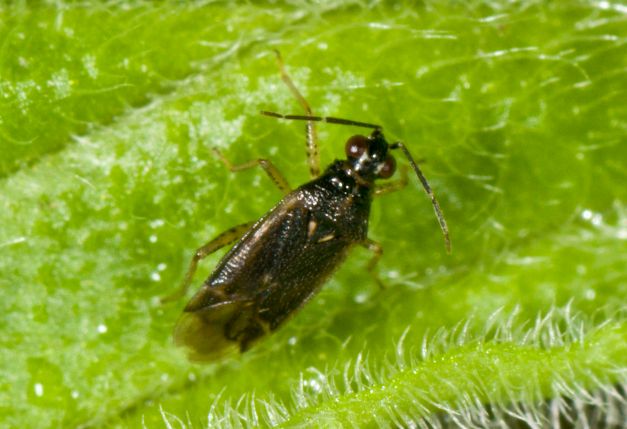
(339, 199)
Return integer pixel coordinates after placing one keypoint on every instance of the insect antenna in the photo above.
(327, 119)
(396, 145)
(429, 191)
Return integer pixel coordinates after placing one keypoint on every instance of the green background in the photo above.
(108, 184)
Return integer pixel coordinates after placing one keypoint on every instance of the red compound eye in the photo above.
(388, 169)
(356, 146)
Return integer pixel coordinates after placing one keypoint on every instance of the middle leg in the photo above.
(377, 251)
(279, 180)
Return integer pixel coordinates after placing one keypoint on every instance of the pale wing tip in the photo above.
(201, 333)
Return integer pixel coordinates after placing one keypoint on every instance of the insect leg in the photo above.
(377, 251)
(313, 156)
(226, 238)
(392, 186)
(273, 172)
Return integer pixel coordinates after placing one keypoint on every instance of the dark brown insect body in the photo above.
(284, 258)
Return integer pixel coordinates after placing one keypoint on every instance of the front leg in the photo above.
(393, 186)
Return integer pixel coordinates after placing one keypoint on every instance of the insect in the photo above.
(280, 261)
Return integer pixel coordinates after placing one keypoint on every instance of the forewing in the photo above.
(269, 274)
(202, 332)
(221, 318)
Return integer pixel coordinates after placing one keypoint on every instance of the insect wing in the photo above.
(202, 332)
(270, 273)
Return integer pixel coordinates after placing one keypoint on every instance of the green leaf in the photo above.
(108, 184)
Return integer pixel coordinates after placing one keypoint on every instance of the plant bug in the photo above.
(280, 261)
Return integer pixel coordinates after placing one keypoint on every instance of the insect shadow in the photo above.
(281, 260)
